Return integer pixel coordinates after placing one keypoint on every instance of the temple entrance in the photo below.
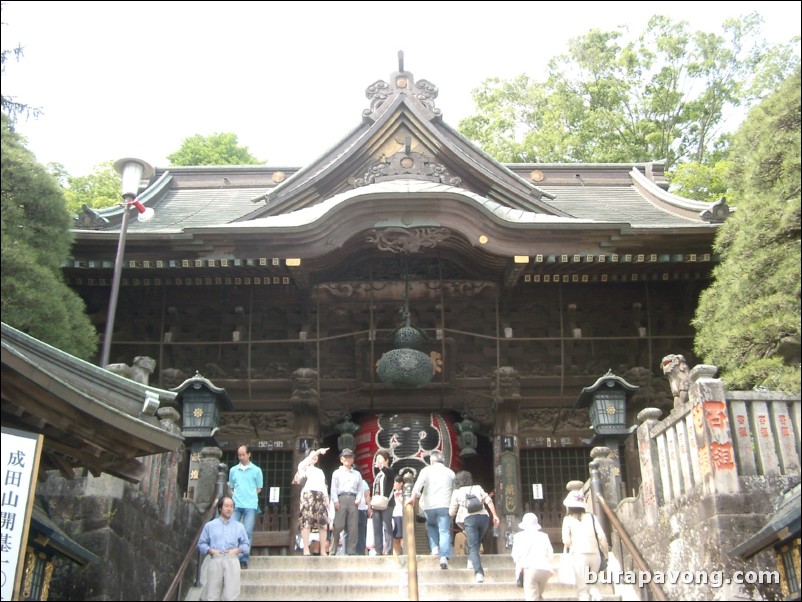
(551, 469)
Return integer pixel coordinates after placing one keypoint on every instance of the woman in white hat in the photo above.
(585, 538)
(532, 553)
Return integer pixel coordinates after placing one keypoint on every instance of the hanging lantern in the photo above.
(606, 402)
(347, 429)
(405, 367)
(409, 438)
(467, 436)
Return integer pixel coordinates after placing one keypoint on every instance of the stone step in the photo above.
(356, 578)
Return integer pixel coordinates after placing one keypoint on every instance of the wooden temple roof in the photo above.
(90, 417)
(402, 168)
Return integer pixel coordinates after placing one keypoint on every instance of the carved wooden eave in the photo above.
(693, 210)
(477, 231)
(403, 136)
(90, 417)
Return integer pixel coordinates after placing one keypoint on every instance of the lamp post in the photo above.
(132, 171)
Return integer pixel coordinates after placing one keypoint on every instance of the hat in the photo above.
(529, 521)
(346, 452)
(436, 456)
(575, 499)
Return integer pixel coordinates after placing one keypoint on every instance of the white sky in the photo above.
(118, 79)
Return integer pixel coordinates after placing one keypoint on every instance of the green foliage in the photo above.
(700, 182)
(35, 240)
(97, 190)
(753, 304)
(217, 149)
(662, 95)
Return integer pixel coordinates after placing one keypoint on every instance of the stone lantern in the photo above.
(607, 403)
(201, 404)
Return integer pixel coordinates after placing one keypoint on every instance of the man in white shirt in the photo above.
(346, 493)
(436, 483)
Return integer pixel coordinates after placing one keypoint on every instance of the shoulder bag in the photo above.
(379, 502)
(473, 503)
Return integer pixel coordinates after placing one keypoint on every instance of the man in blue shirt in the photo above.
(223, 539)
(246, 481)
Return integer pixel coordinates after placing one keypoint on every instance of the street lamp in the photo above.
(132, 171)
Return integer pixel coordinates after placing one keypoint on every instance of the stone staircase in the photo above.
(356, 578)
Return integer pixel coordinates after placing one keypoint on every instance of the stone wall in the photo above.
(711, 471)
(141, 533)
(140, 553)
(695, 533)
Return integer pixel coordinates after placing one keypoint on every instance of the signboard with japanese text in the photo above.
(20, 461)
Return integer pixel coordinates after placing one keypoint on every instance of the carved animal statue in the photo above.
(172, 377)
(139, 371)
(676, 368)
(509, 385)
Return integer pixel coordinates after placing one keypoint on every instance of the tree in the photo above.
(9, 104)
(748, 321)
(661, 96)
(217, 149)
(97, 190)
(35, 241)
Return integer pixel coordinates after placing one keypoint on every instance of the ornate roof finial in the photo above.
(401, 83)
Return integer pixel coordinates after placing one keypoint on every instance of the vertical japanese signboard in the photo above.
(20, 462)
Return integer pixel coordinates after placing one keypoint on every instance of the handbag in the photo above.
(603, 561)
(473, 503)
(565, 572)
(379, 502)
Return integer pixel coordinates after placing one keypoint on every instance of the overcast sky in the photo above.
(119, 79)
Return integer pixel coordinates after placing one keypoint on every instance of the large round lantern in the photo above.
(409, 439)
(405, 367)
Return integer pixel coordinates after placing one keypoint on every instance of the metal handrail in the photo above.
(408, 521)
(629, 545)
(193, 549)
(412, 559)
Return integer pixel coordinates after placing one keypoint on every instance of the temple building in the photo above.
(405, 291)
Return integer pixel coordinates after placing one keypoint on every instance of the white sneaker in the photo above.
(470, 564)
(480, 578)
(435, 551)
(443, 562)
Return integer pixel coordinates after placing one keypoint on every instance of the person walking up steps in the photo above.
(433, 486)
(474, 521)
(533, 554)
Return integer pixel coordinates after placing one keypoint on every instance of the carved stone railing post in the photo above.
(221, 485)
(651, 486)
(597, 488)
(609, 474)
(711, 427)
(208, 477)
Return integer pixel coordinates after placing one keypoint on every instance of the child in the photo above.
(398, 514)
